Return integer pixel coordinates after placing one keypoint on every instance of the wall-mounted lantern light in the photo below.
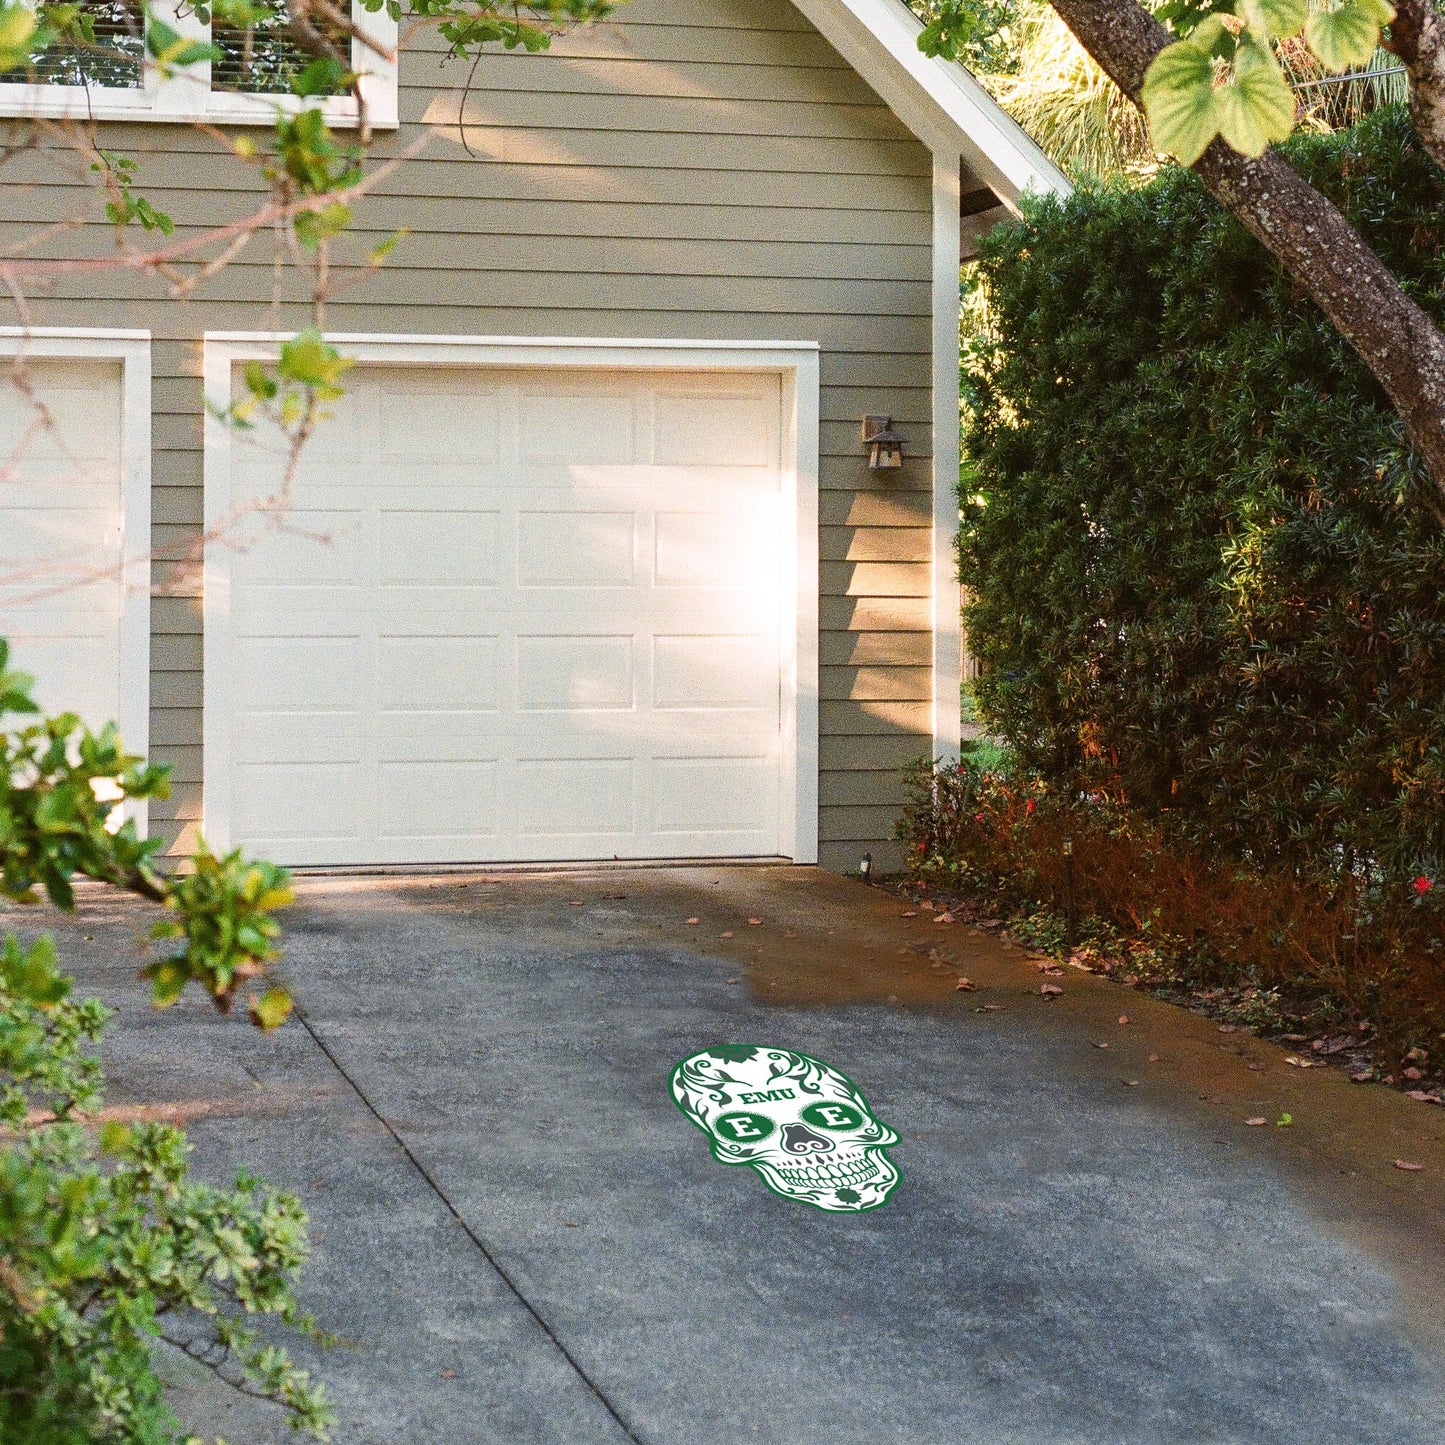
(885, 446)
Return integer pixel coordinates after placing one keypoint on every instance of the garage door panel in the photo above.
(469, 437)
(430, 547)
(717, 795)
(574, 674)
(81, 438)
(426, 798)
(575, 549)
(714, 673)
(539, 644)
(696, 428)
(326, 547)
(300, 674)
(713, 548)
(576, 425)
(571, 797)
(286, 801)
(436, 674)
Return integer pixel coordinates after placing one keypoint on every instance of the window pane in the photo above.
(263, 58)
(112, 61)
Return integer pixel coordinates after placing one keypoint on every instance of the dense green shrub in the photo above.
(1202, 583)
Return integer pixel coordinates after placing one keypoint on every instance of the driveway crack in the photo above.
(434, 1185)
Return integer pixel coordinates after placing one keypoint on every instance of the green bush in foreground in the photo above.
(106, 1246)
(1195, 589)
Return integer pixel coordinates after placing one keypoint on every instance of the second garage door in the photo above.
(511, 616)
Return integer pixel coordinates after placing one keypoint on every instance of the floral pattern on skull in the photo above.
(801, 1124)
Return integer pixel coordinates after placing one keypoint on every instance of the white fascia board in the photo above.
(938, 100)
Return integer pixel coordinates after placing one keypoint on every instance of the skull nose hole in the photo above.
(800, 1139)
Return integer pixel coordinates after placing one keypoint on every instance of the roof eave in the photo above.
(938, 100)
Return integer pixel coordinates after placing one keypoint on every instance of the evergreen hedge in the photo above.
(1203, 582)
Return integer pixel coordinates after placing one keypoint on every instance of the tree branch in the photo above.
(1417, 36)
(1307, 233)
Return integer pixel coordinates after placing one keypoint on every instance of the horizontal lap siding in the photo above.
(704, 169)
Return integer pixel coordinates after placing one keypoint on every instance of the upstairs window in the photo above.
(106, 75)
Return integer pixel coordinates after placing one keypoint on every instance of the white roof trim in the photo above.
(938, 100)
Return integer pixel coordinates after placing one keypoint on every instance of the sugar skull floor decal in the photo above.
(799, 1123)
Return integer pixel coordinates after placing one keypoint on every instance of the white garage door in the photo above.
(515, 615)
(61, 531)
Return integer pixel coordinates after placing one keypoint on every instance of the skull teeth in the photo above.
(853, 1171)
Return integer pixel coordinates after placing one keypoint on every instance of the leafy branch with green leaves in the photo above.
(1224, 78)
(106, 1246)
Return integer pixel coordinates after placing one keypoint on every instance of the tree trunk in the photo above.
(1417, 36)
(1306, 233)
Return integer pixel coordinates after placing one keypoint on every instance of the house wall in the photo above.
(705, 169)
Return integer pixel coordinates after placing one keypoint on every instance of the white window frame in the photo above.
(186, 95)
(133, 350)
(796, 363)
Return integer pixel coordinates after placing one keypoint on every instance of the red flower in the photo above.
(1422, 885)
(1029, 806)
(978, 817)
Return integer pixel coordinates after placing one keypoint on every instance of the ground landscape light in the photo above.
(885, 446)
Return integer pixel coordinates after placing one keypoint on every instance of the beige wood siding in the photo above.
(704, 169)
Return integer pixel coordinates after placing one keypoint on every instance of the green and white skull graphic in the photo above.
(799, 1123)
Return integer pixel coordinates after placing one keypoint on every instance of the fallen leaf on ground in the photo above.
(1052, 970)
(734, 980)
(1130, 1083)
(965, 985)
(755, 920)
(1228, 1028)
(944, 918)
(988, 1008)
(576, 903)
(1153, 1058)
(1408, 1167)
(1363, 1077)
(1050, 990)
(1256, 1068)
(1123, 1018)
(1423, 1095)
(449, 1374)
(910, 913)
(1412, 1074)
(928, 905)
(1257, 1121)
(692, 920)
(1295, 1062)
(892, 998)
(1099, 1045)
(990, 923)
(728, 934)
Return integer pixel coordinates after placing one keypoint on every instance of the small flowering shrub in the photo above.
(1375, 946)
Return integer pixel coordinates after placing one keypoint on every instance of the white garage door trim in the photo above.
(794, 362)
(133, 350)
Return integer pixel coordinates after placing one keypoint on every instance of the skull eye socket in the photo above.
(833, 1116)
(744, 1128)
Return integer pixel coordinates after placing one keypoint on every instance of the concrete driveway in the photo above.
(520, 1238)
